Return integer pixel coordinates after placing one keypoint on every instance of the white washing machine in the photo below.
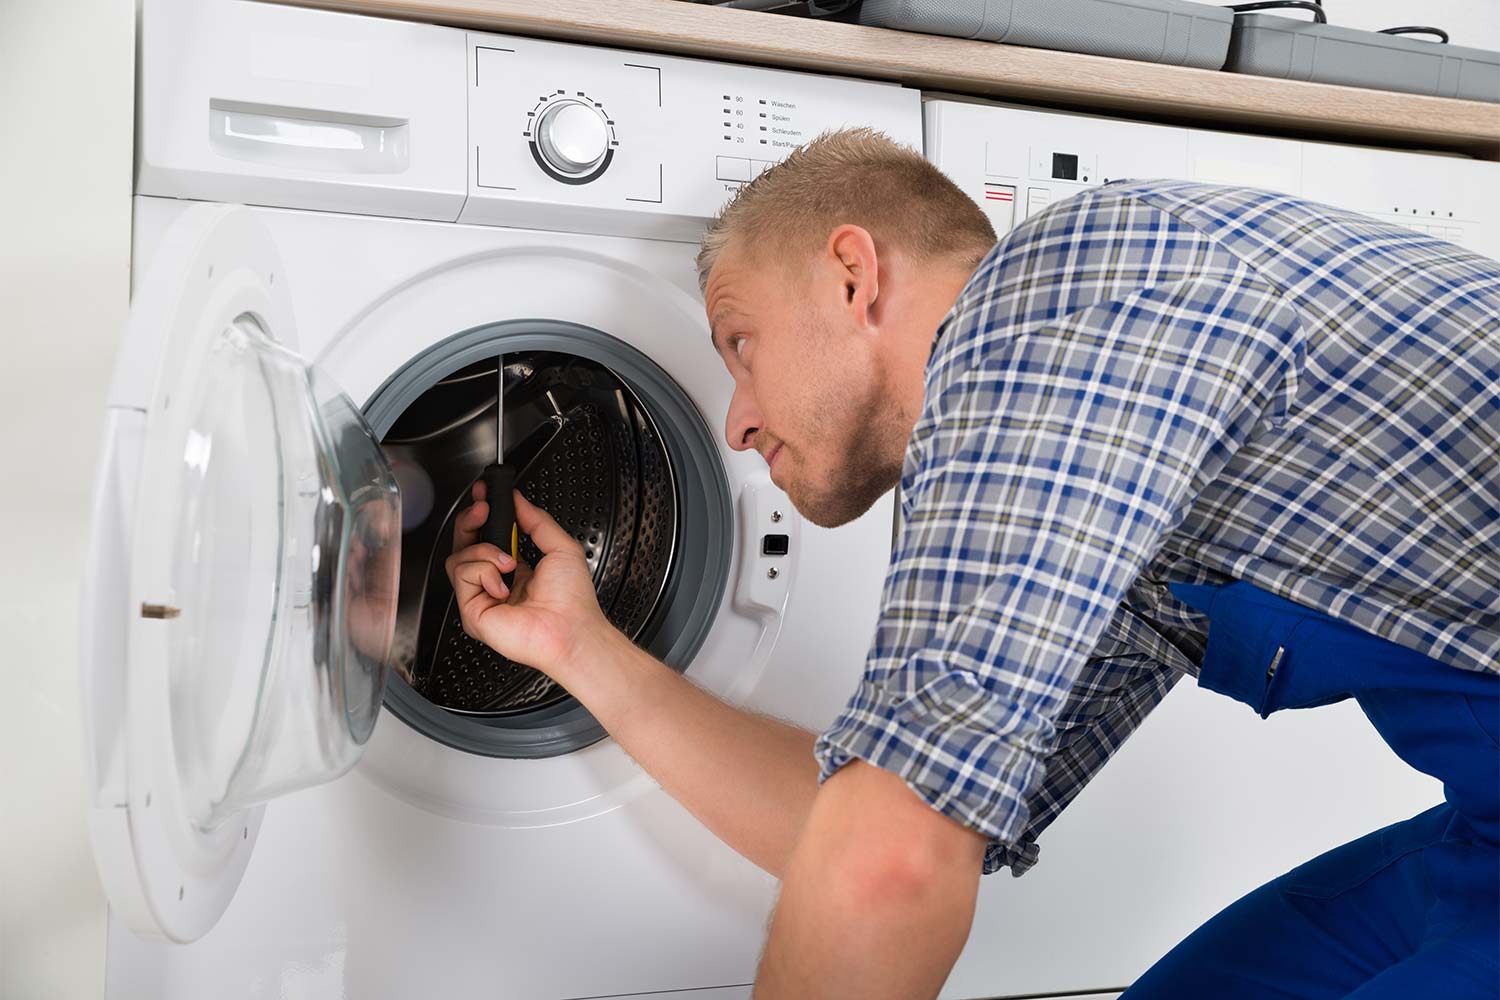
(425, 201)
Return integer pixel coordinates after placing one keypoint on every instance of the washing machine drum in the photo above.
(593, 459)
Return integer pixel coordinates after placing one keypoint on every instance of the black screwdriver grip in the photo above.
(500, 528)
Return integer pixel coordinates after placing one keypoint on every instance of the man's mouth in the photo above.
(771, 456)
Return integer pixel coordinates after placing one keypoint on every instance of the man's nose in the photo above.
(743, 421)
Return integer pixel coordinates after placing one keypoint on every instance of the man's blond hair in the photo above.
(854, 176)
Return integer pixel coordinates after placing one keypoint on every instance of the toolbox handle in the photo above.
(1313, 5)
(1417, 29)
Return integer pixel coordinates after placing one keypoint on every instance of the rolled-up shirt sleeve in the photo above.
(1064, 434)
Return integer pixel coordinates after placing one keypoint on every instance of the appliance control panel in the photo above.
(1015, 162)
(271, 104)
(573, 137)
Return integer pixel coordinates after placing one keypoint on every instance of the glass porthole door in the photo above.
(260, 599)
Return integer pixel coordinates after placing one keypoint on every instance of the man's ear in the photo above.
(851, 255)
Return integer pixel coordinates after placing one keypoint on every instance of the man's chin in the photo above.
(834, 510)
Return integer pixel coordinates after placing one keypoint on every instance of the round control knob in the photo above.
(572, 137)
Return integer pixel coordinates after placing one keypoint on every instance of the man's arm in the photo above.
(878, 899)
(749, 778)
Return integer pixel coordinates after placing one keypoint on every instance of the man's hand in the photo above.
(553, 613)
(372, 576)
(749, 778)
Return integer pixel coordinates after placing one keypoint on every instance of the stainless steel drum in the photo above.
(607, 478)
(639, 480)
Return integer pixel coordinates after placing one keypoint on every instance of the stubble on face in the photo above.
(850, 448)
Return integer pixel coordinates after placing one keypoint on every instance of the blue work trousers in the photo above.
(1408, 912)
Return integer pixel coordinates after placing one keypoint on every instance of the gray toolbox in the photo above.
(1283, 47)
(1163, 31)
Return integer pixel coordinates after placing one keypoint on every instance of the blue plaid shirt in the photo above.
(1160, 382)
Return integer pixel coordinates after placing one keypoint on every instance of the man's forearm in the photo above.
(749, 778)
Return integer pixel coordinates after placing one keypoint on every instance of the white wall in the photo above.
(1475, 23)
(66, 85)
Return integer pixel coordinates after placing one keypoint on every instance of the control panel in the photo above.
(572, 137)
(758, 132)
(761, 129)
(1015, 162)
(270, 104)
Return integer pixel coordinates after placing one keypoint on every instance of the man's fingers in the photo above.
(545, 533)
(481, 596)
(519, 582)
(472, 577)
(467, 524)
(483, 615)
(483, 554)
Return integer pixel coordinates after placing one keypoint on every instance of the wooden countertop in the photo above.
(984, 69)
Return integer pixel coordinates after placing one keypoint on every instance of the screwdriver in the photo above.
(500, 528)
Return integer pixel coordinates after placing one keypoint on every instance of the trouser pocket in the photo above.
(1330, 875)
(1486, 712)
(1250, 637)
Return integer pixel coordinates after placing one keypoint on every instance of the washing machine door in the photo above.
(258, 596)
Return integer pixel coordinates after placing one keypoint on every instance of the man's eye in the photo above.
(736, 344)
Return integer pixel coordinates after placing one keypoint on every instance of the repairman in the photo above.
(1161, 428)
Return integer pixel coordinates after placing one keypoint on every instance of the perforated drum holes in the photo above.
(606, 481)
(634, 476)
